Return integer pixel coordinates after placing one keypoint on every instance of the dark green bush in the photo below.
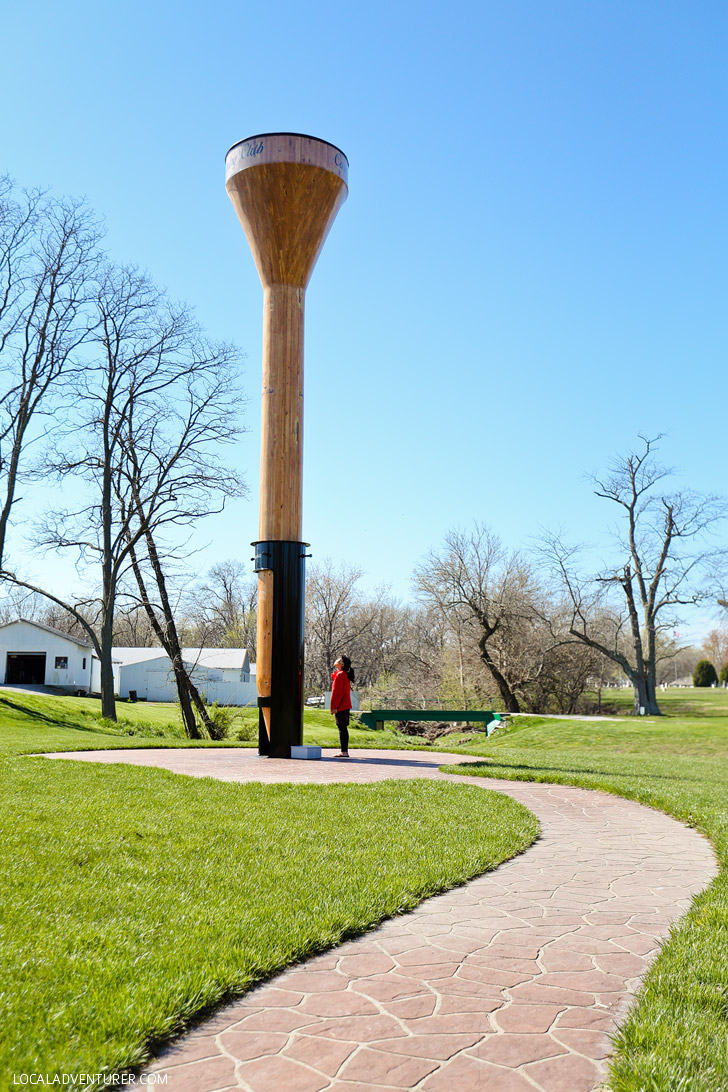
(704, 674)
(723, 677)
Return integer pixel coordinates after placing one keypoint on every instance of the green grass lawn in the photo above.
(139, 897)
(691, 701)
(675, 1038)
(39, 722)
(134, 899)
(33, 722)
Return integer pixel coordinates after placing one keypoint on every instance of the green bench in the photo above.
(375, 718)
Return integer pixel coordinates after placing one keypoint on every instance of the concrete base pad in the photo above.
(305, 752)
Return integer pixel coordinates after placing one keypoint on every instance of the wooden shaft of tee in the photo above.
(281, 451)
(281, 434)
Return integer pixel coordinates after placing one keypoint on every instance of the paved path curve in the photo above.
(511, 983)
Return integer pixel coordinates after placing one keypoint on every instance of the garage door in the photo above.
(25, 667)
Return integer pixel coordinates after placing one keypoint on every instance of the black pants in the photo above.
(342, 723)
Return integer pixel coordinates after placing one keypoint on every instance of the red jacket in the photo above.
(340, 692)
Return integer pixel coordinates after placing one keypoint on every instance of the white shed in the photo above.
(232, 664)
(96, 674)
(135, 665)
(34, 654)
(223, 674)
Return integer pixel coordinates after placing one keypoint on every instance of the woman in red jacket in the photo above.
(341, 681)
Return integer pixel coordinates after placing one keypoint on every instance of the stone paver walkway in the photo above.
(511, 983)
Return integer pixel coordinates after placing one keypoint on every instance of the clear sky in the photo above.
(529, 271)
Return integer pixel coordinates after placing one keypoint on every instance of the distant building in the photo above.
(222, 674)
(33, 654)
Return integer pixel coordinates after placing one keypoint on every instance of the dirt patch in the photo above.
(432, 730)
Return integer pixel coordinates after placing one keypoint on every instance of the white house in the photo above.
(35, 654)
(222, 674)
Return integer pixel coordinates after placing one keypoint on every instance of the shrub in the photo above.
(142, 728)
(221, 720)
(247, 732)
(133, 728)
(704, 674)
(723, 677)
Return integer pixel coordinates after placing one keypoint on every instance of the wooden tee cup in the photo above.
(286, 189)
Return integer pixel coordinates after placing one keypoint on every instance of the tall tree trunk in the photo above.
(184, 685)
(170, 627)
(168, 639)
(461, 670)
(644, 697)
(108, 573)
(509, 698)
(12, 475)
(651, 669)
(108, 701)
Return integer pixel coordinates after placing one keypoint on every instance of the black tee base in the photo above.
(287, 562)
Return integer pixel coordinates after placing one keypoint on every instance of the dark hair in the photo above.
(347, 667)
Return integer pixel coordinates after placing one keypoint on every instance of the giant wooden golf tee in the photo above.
(286, 189)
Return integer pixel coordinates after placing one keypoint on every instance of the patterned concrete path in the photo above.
(511, 983)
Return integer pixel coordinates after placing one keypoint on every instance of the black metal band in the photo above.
(287, 561)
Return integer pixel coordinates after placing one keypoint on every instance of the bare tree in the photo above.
(663, 550)
(340, 619)
(481, 588)
(223, 608)
(132, 627)
(162, 623)
(19, 603)
(332, 597)
(568, 670)
(715, 646)
(172, 473)
(48, 256)
(128, 361)
(421, 666)
(134, 472)
(682, 666)
(400, 660)
(379, 634)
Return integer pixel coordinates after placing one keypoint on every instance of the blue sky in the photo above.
(529, 271)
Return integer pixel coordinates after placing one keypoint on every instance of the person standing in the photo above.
(341, 681)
